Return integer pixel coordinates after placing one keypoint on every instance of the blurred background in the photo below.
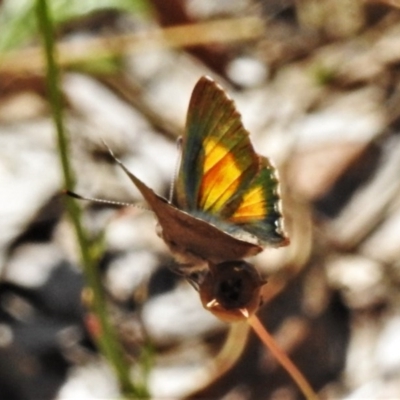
(317, 84)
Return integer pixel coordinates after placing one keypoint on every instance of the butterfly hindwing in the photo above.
(257, 208)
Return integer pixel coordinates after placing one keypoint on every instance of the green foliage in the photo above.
(324, 75)
(18, 21)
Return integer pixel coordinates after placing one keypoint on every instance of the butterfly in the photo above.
(226, 206)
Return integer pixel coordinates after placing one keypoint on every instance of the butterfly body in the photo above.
(226, 205)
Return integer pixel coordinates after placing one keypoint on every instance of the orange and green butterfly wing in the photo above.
(257, 208)
(217, 156)
(221, 177)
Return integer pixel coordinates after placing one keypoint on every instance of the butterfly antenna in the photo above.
(177, 164)
(103, 201)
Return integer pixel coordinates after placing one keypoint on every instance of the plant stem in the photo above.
(282, 358)
(107, 338)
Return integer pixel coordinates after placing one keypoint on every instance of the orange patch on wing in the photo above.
(252, 206)
(221, 176)
(214, 153)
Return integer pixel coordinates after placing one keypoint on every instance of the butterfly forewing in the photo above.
(221, 176)
(217, 156)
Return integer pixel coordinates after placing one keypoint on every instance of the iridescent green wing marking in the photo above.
(257, 209)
